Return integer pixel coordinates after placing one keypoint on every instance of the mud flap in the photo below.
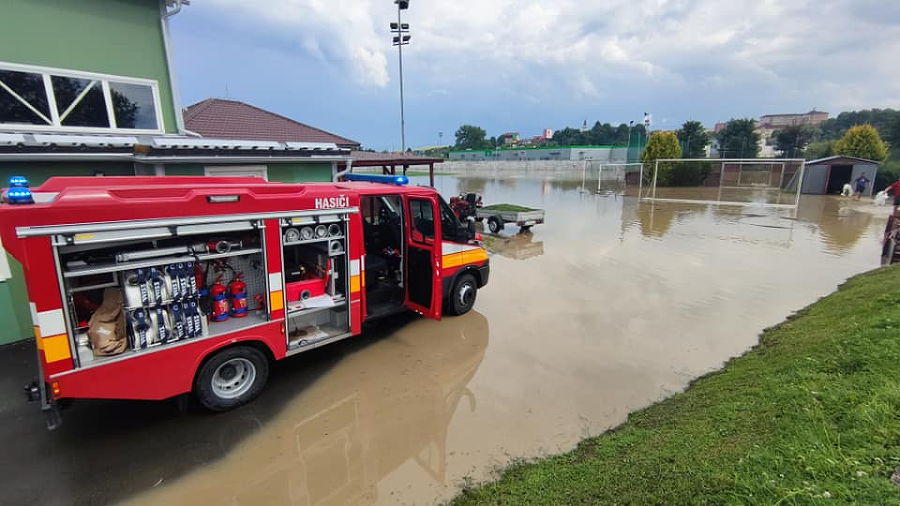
(54, 419)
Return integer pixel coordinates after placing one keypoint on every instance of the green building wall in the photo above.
(300, 172)
(118, 37)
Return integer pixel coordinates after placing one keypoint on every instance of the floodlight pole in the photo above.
(401, 40)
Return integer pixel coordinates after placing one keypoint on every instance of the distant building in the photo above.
(775, 121)
(510, 138)
(598, 153)
(547, 134)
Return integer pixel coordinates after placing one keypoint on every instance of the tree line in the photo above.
(601, 134)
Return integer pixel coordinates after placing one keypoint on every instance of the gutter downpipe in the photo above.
(173, 80)
(344, 172)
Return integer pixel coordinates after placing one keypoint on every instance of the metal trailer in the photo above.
(497, 219)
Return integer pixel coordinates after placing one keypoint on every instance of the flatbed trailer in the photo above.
(499, 215)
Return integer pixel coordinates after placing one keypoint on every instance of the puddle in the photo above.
(608, 306)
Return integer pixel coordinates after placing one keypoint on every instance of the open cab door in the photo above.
(423, 256)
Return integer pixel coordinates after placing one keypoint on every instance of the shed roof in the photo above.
(232, 119)
(832, 160)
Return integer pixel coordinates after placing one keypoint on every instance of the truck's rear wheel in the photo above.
(495, 224)
(462, 298)
(230, 378)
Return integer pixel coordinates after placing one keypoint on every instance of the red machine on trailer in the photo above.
(151, 287)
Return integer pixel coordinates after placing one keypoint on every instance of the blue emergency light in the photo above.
(375, 178)
(19, 196)
(18, 192)
(18, 182)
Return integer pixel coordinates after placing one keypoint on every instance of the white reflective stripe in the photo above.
(354, 267)
(51, 322)
(275, 282)
(448, 248)
(362, 263)
(34, 317)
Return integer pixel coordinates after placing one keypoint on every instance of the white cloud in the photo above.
(765, 54)
(340, 31)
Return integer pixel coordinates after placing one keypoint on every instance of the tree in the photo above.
(470, 137)
(820, 149)
(862, 141)
(791, 141)
(492, 142)
(738, 139)
(693, 139)
(661, 145)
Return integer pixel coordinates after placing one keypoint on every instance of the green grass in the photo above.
(508, 207)
(809, 416)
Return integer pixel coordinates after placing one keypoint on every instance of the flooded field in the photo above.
(610, 305)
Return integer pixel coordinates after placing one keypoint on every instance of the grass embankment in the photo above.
(810, 415)
(508, 207)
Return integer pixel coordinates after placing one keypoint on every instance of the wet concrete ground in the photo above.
(609, 306)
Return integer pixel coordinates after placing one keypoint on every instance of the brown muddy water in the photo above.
(610, 305)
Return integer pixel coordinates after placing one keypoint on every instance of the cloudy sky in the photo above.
(525, 65)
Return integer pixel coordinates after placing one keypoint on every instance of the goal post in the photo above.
(616, 177)
(770, 182)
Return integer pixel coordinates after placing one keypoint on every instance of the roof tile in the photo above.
(231, 119)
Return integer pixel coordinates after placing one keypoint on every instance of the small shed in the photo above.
(827, 176)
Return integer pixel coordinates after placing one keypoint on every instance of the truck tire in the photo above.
(232, 377)
(462, 297)
(495, 224)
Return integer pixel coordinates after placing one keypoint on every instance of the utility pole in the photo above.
(401, 38)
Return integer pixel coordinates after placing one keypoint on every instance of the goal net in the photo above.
(766, 182)
(617, 177)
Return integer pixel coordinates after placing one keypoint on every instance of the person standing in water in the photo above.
(861, 182)
(894, 190)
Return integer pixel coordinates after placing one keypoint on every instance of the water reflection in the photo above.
(518, 247)
(383, 407)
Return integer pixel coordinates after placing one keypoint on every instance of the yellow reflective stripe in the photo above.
(452, 260)
(354, 283)
(475, 256)
(276, 300)
(37, 337)
(56, 348)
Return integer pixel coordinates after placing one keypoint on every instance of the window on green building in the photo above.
(59, 100)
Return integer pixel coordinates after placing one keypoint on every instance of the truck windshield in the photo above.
(451, 228)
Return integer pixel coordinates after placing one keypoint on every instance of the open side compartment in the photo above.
(147, 289)
(316, 270)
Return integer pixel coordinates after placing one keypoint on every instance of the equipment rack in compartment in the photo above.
(87, 270)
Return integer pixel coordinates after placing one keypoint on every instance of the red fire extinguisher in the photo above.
(219, 301)
(237, 292)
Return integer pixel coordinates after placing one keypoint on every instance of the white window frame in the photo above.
(103, 81)
(237, 171)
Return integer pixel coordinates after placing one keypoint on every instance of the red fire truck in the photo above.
(152, 287)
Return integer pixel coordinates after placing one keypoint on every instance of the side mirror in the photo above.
(417, 236)
(470, 228)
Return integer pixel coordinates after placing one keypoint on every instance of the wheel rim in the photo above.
(466, 294)
(233, 378)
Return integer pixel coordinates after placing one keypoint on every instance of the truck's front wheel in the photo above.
(463, 295)
(232, 377)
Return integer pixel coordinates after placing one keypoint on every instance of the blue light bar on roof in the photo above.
(19, 196)
(374, 178)
(18, 182)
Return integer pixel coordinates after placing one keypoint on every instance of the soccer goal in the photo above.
(614, 177)
(768, 182)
